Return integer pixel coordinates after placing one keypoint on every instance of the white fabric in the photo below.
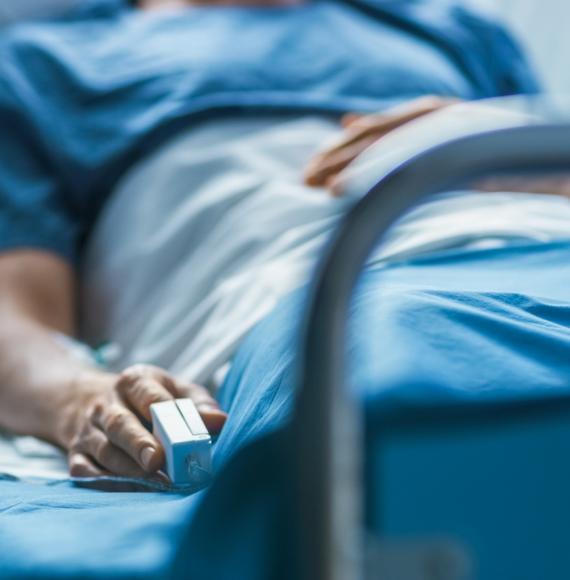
(542, 29)
(30, 458)
(202, 239)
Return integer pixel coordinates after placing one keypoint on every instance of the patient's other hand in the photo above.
(361, 132)
(104, 422)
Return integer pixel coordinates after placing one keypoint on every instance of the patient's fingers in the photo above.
(81, 466)
(143, 385)
(214, 418)
(359, 135)
(327, 166)
(108, 456)
(361, 131)
(139, 451)
(200, 395)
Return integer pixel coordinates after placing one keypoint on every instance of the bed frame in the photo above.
(327, 429)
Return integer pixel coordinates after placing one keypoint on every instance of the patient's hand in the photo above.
(361, 132)
(104, 423)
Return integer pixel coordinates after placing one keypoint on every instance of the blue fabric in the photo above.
(419, 330)
(61, 531)
(83, 98)
(457, 329)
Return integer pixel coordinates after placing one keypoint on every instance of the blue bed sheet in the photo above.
(418, 330)
(460, 327)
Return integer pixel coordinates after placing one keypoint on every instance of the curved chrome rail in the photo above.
(326, 430)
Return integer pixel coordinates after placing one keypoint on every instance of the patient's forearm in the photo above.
(37, 380)
(37, 375)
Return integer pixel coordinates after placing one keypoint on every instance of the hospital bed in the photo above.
(465, 484)
(430, 478)
(464, 487)
(455, 482)
(328, 428)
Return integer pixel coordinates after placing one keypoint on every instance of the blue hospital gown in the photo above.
(82, 99)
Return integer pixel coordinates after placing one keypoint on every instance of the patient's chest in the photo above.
(201, 240)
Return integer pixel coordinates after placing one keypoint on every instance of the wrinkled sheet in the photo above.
(475, 326)
(419, 330)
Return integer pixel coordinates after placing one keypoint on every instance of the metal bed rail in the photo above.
(327, 425)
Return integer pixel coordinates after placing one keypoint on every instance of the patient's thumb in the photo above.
(214, 418)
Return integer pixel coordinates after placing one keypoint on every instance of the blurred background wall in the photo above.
(544, 28)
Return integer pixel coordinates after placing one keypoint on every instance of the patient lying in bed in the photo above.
(197, 242)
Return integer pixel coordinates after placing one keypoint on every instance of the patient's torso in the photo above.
(202, 239)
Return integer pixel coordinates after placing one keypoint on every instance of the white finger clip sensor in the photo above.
(185, 439)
